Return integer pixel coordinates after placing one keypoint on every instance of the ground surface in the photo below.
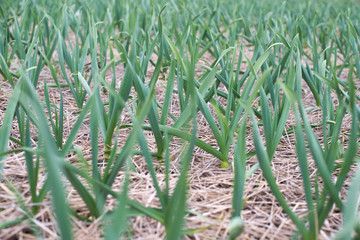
(210, 187)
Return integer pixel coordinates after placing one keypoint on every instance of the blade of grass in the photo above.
(52, 157)
(266, 168)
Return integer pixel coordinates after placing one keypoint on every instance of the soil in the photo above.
(210, 186)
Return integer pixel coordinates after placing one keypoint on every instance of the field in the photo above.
(175, 119)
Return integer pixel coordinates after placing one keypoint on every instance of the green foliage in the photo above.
(82, 43)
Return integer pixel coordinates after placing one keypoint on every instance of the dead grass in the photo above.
(210, 187)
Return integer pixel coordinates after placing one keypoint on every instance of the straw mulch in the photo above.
(210, 187)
